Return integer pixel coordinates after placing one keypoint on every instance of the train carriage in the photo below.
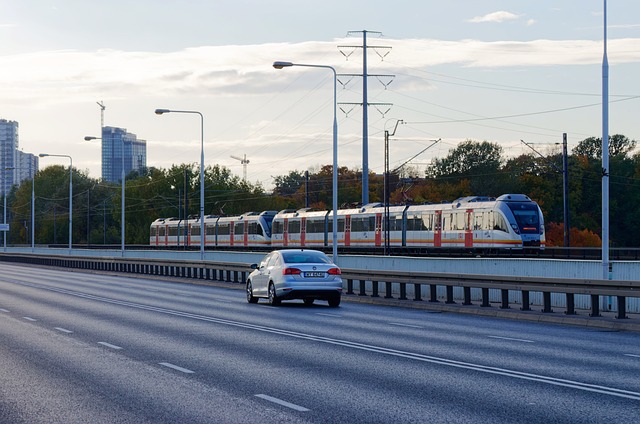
(511, 221)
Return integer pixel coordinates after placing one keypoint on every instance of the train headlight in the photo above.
(515, 228)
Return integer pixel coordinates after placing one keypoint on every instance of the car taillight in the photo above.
(334, 271)
(291, 271)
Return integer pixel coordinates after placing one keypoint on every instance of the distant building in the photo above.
(135, 153)
(15, 166)
(26, 166)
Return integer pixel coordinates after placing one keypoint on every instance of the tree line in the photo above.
(471, 168)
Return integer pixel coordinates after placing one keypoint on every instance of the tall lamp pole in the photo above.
(44, 155)
(4, 195)
(280, 65)
(605, 155)
(89, 138)
(202, 229)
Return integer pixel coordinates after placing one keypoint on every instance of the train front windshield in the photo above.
(527, 217)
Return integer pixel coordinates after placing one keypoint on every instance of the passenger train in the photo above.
(511, 221)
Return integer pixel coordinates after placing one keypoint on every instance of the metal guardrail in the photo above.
(237, 273)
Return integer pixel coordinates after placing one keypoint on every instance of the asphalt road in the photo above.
(87, 348)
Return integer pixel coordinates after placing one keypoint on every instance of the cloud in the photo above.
(500, 16)
(531, 22)
(72, 76)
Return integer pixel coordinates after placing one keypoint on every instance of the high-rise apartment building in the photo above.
(15, 165)
(8, 148)
(115, 143)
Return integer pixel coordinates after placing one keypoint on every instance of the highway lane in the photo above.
(121, 349)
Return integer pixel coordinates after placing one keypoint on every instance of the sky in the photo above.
(503, 71)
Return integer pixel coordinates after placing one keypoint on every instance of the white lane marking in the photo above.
(30, 319)
(511, 339)
(64, 330)
(283, 403)
(177, 368)
(632, 355)
(329, 315)
(109, 345)
(405, 325)
(577, 385)
(3, 310)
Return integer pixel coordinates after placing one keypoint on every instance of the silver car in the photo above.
(295, 274)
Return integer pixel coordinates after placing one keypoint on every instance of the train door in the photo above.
(303, 231)
(437, 229)
(232, 233)
(468, 228)
(378, 229)
(246, 233)
(347, 230)
(285, 232)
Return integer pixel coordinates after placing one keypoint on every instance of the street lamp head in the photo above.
(280, 64)
(43, 155)
(161, 111)
(89, 138)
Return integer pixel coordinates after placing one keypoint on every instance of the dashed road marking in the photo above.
(405, 325)
(177, 368)
(30, 319)
(511, 339)
(109, 345)
(329, 315)
(283, 403)
(64, 330)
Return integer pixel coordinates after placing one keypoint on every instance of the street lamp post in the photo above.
(43, 155)
(202, 229)
(4, 195)
(280, 65)
(89, 138)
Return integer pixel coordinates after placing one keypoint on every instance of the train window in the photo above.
(161, 230)
(340, 225)
(414, 223)
(238, 228)
(315, 226)
(277, 227)
(173, 231)
(500, 223)
(294, 227)
(253, 228)
(223, 229)
(427, 222)
(461, 221)
(195, 230)
(363, 224)
(211, 229)
(395, 223)
(258, 230)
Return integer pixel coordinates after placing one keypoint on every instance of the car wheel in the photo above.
(250, 297)
(334, 301)
(273, 299)
(308, 302)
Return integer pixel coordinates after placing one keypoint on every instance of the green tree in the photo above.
(592, 147)
(479, 162)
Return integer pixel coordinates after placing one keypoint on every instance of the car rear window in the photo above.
(305, 257)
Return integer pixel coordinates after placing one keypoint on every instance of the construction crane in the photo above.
(102, 108)
(244, 161)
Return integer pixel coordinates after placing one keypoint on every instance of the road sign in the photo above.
(4, 227)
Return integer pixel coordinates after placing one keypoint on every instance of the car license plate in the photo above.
(313, 274)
